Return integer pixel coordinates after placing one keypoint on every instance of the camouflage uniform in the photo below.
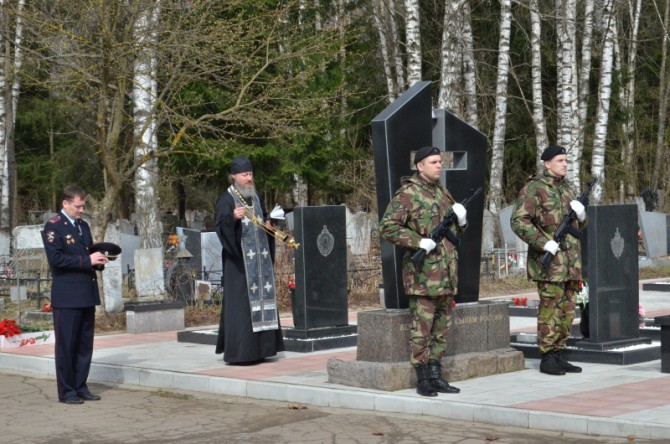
(417, 207)
(542, 204)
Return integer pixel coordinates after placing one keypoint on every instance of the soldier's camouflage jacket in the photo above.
(417, 207)
(542, 204)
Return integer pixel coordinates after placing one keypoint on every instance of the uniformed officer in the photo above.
(74, 295)
(542, 204)
(418, 206)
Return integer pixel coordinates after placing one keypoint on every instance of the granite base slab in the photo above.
(392, 376)
(656, 286)
(206, 337)
(527, 344)
(305, 341)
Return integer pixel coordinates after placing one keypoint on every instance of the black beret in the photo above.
(424, 152)
(552, 151)
(109, 249)
(240, 165)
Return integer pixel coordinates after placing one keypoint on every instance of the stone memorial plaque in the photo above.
(5, 242)
(28, 237)
(149, 272)
(463, 171)
(128, 243)
(112, 275)
(506, 234)
(613, 273)
(398, 132)
(320, 267)
(211, 256)
(654, 233)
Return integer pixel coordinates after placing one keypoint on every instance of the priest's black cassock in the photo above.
(237, 340)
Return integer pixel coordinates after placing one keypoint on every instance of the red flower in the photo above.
(290, 283)
(524, 302)
(517, 302)
(47, 307)
(8, 328)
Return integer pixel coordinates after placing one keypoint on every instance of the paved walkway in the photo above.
(609, 400)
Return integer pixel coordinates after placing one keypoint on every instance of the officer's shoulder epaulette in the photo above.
(55, 219)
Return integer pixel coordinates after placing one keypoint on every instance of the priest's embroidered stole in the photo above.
(258, 267)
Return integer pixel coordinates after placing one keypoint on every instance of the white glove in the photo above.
(579, 210)
(551, 247)
(427, 244)
(460, 212)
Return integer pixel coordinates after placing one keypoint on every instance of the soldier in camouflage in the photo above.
(418, 206)
(542, 204)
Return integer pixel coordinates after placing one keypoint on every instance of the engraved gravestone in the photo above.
(319, 300)
(463, 171)
(320, 267)
(613, 276)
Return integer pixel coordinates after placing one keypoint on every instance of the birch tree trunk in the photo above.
(413, 41)
(567, 96)
(664, 78)
(584, 72)
(144, 104)
(398, 64)
(542, 141)
(11, 123)
(604, 95)
(377, 11)
(498, 144)
(469, 67)
(627, 92)
(4, 159)
(450, 59)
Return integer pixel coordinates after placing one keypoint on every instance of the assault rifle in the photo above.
(442, 230)
(566, 227)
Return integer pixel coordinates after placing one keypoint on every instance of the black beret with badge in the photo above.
(109, 249)
(552, 151)
(424, 152)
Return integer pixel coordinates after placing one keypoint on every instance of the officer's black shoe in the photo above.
(72, 400)
(565, 365)
(439, 384)
(424, 386)
(90, 397)
(550, 364)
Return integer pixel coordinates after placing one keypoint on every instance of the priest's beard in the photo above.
(246, 191)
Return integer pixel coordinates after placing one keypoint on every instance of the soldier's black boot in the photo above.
(424, 387)
(550, 364)
(565, 365)
(439, 384)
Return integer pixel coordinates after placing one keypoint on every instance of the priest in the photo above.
(249, 330)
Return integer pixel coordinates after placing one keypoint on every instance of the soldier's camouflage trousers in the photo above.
(431, 317)
(555, 314)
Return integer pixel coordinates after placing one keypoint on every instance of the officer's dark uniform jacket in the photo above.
(74, 281)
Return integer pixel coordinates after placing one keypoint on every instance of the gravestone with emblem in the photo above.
(320, 304)
(613, 277)
(610, 263)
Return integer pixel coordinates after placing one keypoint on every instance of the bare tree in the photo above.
(604, 97)
(145, 94)
(664, 96)
(539, 122)
(498, 144)
(413, 41)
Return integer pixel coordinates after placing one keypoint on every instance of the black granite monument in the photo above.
(464, 170)
(478, 341)
(397, 132)
(320, 308)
